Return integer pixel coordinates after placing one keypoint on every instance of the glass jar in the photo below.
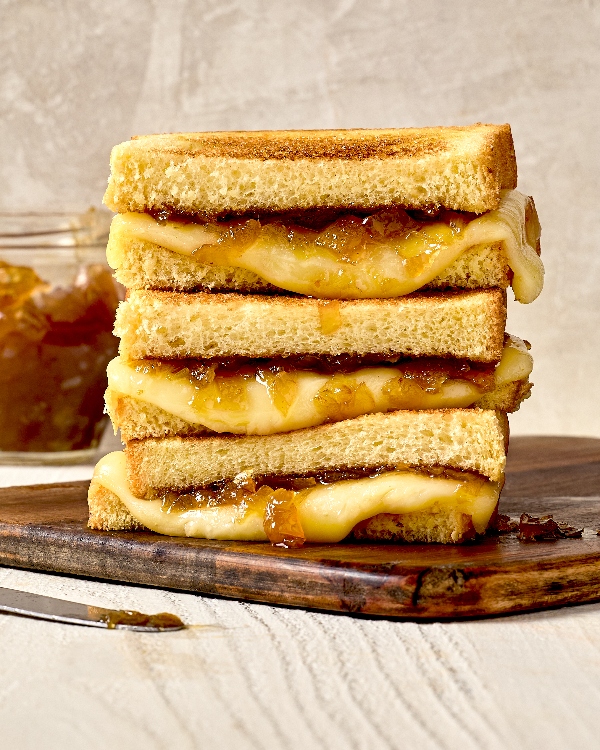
(57, 307)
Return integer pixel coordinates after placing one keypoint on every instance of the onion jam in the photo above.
(54, 348)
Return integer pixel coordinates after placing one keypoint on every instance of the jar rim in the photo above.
(51, 229)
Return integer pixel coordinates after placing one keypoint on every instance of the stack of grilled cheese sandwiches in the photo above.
(313, 344)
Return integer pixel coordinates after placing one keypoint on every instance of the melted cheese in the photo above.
(302, 261)
(516, 362)
(328, 513)
(270, 403)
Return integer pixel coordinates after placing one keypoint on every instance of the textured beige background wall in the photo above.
(77, 77)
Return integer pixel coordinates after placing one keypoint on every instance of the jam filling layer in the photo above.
(292, 511)
(386, 254)
(262, 398)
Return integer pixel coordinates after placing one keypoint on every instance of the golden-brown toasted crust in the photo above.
(214, 174)
(298, 302)
(356, 144)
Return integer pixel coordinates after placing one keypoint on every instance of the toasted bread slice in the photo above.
(465, 439)
(214, 174)
(145, 265)
(385, 255)
(170, 325)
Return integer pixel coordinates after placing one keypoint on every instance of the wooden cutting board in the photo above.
(44, 528)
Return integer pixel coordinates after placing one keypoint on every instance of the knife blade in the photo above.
(58, 610)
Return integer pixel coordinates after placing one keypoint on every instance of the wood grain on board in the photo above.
(44, 527)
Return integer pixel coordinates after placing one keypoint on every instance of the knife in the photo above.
(58, 610)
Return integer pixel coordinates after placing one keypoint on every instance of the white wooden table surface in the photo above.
(254, 676)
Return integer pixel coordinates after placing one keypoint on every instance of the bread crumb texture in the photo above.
(107, 512)
(170, 325)
(213, 174)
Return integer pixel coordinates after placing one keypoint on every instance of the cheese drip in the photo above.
(267, 401)
(327, 513)
(384, 255)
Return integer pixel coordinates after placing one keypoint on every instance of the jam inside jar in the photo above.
(57, 308)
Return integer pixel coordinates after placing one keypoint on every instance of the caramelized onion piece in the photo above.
(343, 397)
(281, 522)
(545, 528)
(504, 524)
(282, 386)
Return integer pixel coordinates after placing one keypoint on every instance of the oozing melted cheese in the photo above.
(327, 513)
(344, 261)
(268, 402)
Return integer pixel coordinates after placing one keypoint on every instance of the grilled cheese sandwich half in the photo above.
(382, 255)
(279, 488)
(149, 398)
